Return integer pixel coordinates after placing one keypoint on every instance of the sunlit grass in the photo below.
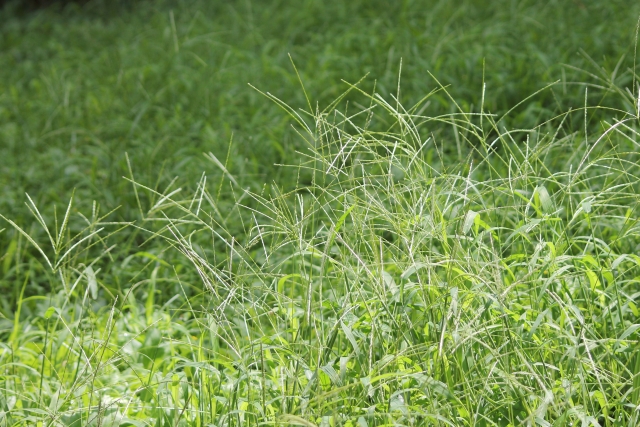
(394, 289)
(453, 241)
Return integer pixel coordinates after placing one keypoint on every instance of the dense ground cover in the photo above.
(433, 252)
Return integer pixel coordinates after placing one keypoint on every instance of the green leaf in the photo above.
(469, 220)
(593, 280)
(283, 279)
(545, 199)
(600, 398)
(634, 309)
(630, 330)
(50, 311)
(92, 283)
(352, 339)
(294, 420)
(561, 421)
(152, 257)
(8, 257)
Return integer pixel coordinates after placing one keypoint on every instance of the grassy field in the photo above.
(318, 213)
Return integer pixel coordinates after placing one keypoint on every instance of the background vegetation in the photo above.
(452, 240)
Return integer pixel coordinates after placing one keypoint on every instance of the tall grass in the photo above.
(457, 250)
(387, 286)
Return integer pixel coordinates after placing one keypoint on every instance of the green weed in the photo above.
(429, 251)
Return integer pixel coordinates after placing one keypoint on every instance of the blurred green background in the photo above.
(81, 85)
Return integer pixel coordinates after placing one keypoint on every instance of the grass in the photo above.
(424, 254)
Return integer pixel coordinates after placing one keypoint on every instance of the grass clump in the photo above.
(395, 288)
(465, 257)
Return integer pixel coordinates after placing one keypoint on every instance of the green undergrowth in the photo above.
(453, 241)
(387, 285)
